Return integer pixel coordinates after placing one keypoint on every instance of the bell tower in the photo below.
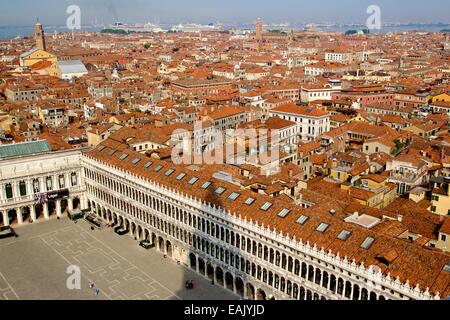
(39, 36)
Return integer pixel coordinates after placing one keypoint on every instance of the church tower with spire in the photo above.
(39, 36)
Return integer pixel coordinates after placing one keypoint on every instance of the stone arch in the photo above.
(160, 244)
(133, 229)
(325, 279)
(12, 216)
(115, 219)
(139, 232)
(311, 273)
(64, 205)
(250, 291)
(169, 249)
(193, 261)
(210, 271)
(239, 283)
(146, 235)
(295, 291)
(356, 292)
(364, 294)
(348, 289)
(126, 224)
(26, 214)
(289, 288)
(51, 207)
(261, 295)
(229, 280)
(219, 276)
(318, 276)
(340, 286)
(76, 203)
(333, 283)
(302, 293)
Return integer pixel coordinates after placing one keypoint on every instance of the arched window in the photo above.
(22, 188)
(8, 191)
(62, 183)
(49, 183)
(36, 186)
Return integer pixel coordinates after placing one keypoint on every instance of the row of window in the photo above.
(223, 234)
(36, 185)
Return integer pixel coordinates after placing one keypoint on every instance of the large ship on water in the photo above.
(147, 27)
(192, 27)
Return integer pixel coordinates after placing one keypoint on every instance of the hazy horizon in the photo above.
(53, 12)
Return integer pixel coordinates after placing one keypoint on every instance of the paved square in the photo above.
(34, 266)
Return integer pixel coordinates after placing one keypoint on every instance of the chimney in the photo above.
(400, 218)
(290, 173)
(332, 212)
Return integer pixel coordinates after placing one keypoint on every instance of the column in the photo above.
(33, 213)
(45, 206)
(84, 202)
(307, 273)
(5, 218)
(234, 285)
(245, 292)
(215, 275)
(197, 269)
(70, 204)
(352, 292)
(67, 181)
(43, 187)
(58, 208)
(29, 187)
(15, 190)
(19, 215)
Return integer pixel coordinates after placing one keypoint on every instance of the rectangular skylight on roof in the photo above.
(344, 235)
(111, 152)
(100, 148)
(233, 196)
(367, 243)
(447, 267)
(220, 190)
(283, 213)
(206, 184)
(249, 201)
(123, 156)
(322, 227)
(302, 220)
(135, 161)
(266, 206)
(148, 164)
(169, 172)
(158, 168)
(181, 176)
(193, 180)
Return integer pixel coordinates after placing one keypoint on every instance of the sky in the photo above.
(53, 12)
